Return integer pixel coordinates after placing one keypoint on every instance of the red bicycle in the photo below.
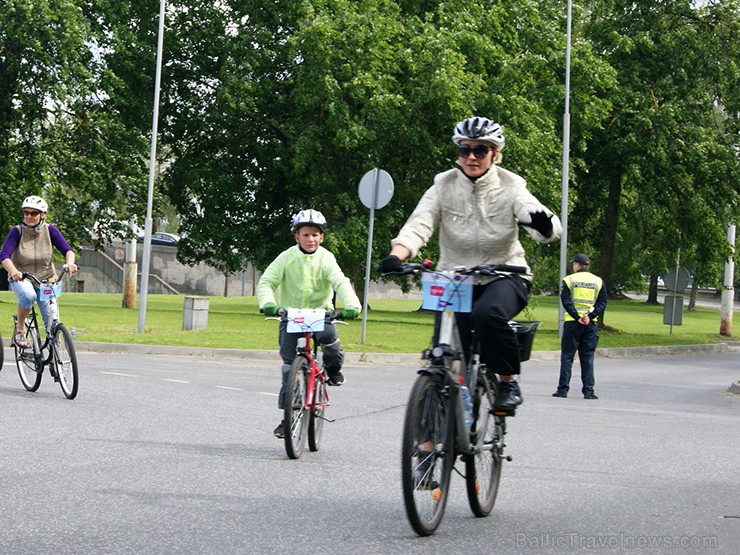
(306, 395)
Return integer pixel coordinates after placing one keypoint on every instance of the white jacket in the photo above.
(478, 222)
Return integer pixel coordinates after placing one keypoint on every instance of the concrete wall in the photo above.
(102, 272)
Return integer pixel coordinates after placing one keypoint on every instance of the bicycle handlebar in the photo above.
(331, 315)
(480, 269)
(27, 275)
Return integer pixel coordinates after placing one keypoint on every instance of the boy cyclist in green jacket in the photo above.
(306, 276)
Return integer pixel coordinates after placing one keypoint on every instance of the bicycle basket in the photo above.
(524, 332)
(50, 291)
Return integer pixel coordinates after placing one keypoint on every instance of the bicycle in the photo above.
(56, 351)
(435, 429)
(306, 393)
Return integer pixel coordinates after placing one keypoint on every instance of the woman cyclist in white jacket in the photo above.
(478, 207)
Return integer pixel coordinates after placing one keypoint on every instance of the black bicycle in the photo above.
(438, 428)
(56, 351)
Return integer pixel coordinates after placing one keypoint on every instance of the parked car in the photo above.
(162, 238)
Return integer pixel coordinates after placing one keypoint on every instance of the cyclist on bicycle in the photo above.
(477, 207)
(306, 276)
(29, 248)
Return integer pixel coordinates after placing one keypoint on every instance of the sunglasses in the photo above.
(33, 213)
(479, 151)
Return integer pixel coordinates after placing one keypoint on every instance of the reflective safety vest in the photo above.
(584, 290)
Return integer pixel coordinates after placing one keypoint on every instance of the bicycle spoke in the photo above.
(483, 466)
(427, 455)
(64, 360)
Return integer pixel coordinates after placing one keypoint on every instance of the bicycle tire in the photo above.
(316, 418)
(425, 474)
(483, 466)
(64, 360)
(2, 352)
(30, 365)
(296, 412)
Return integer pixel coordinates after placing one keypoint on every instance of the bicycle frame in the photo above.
(60, 358)
(308, 347)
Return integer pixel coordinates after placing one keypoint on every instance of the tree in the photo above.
(58, 137)
(662, 170)
(298, 101)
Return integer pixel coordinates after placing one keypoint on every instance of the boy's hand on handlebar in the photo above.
(389, 264)
(349, 313)
(270, 309)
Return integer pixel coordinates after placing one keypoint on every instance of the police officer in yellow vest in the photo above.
(583, 296)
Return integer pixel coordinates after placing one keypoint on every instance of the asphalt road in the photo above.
(173, 454)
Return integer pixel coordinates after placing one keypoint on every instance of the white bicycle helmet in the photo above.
(479, 129)
(35, 203)
(308, 217)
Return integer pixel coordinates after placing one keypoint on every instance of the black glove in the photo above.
(541, 222)
(389, 264)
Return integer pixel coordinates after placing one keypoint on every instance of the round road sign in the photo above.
(376, 188)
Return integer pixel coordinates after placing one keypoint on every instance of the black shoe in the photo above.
(509, 396)
(590, 396)
(336, 380)
(559, 394)
(423, 479)
(280, 430)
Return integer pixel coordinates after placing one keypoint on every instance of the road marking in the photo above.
(231, 388)
(265, 393)
(175, 381)
(120, 374)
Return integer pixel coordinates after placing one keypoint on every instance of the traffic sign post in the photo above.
(676, 280)
(375, 190)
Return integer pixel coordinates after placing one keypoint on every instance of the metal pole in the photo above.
(728, 291)
(368, 258)
(144, 288)
(566, 170)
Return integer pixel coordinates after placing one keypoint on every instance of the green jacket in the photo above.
(305, 281)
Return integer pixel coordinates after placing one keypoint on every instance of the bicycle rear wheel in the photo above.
(427, 454)
(65, 361)
(483, 466)
(296, 412)
(29, 361)
(316, 418)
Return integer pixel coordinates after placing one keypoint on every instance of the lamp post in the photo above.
(564, 182)
(144, 287)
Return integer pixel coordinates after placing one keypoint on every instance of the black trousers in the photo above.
(494, 305)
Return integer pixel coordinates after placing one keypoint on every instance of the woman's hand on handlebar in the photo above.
(70, 268)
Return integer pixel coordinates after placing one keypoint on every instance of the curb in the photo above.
(388, 358)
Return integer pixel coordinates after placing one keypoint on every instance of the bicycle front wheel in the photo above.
(30, 361)
(64, 360)
(296, 412)
(317, 411)
(427, 454)
(483, 466)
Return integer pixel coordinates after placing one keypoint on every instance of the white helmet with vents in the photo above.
(35, 203)
(479, 129)
(308, 217)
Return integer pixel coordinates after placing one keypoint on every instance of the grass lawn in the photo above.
(394, 326)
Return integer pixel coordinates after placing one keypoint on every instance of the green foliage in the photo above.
(270, 106)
